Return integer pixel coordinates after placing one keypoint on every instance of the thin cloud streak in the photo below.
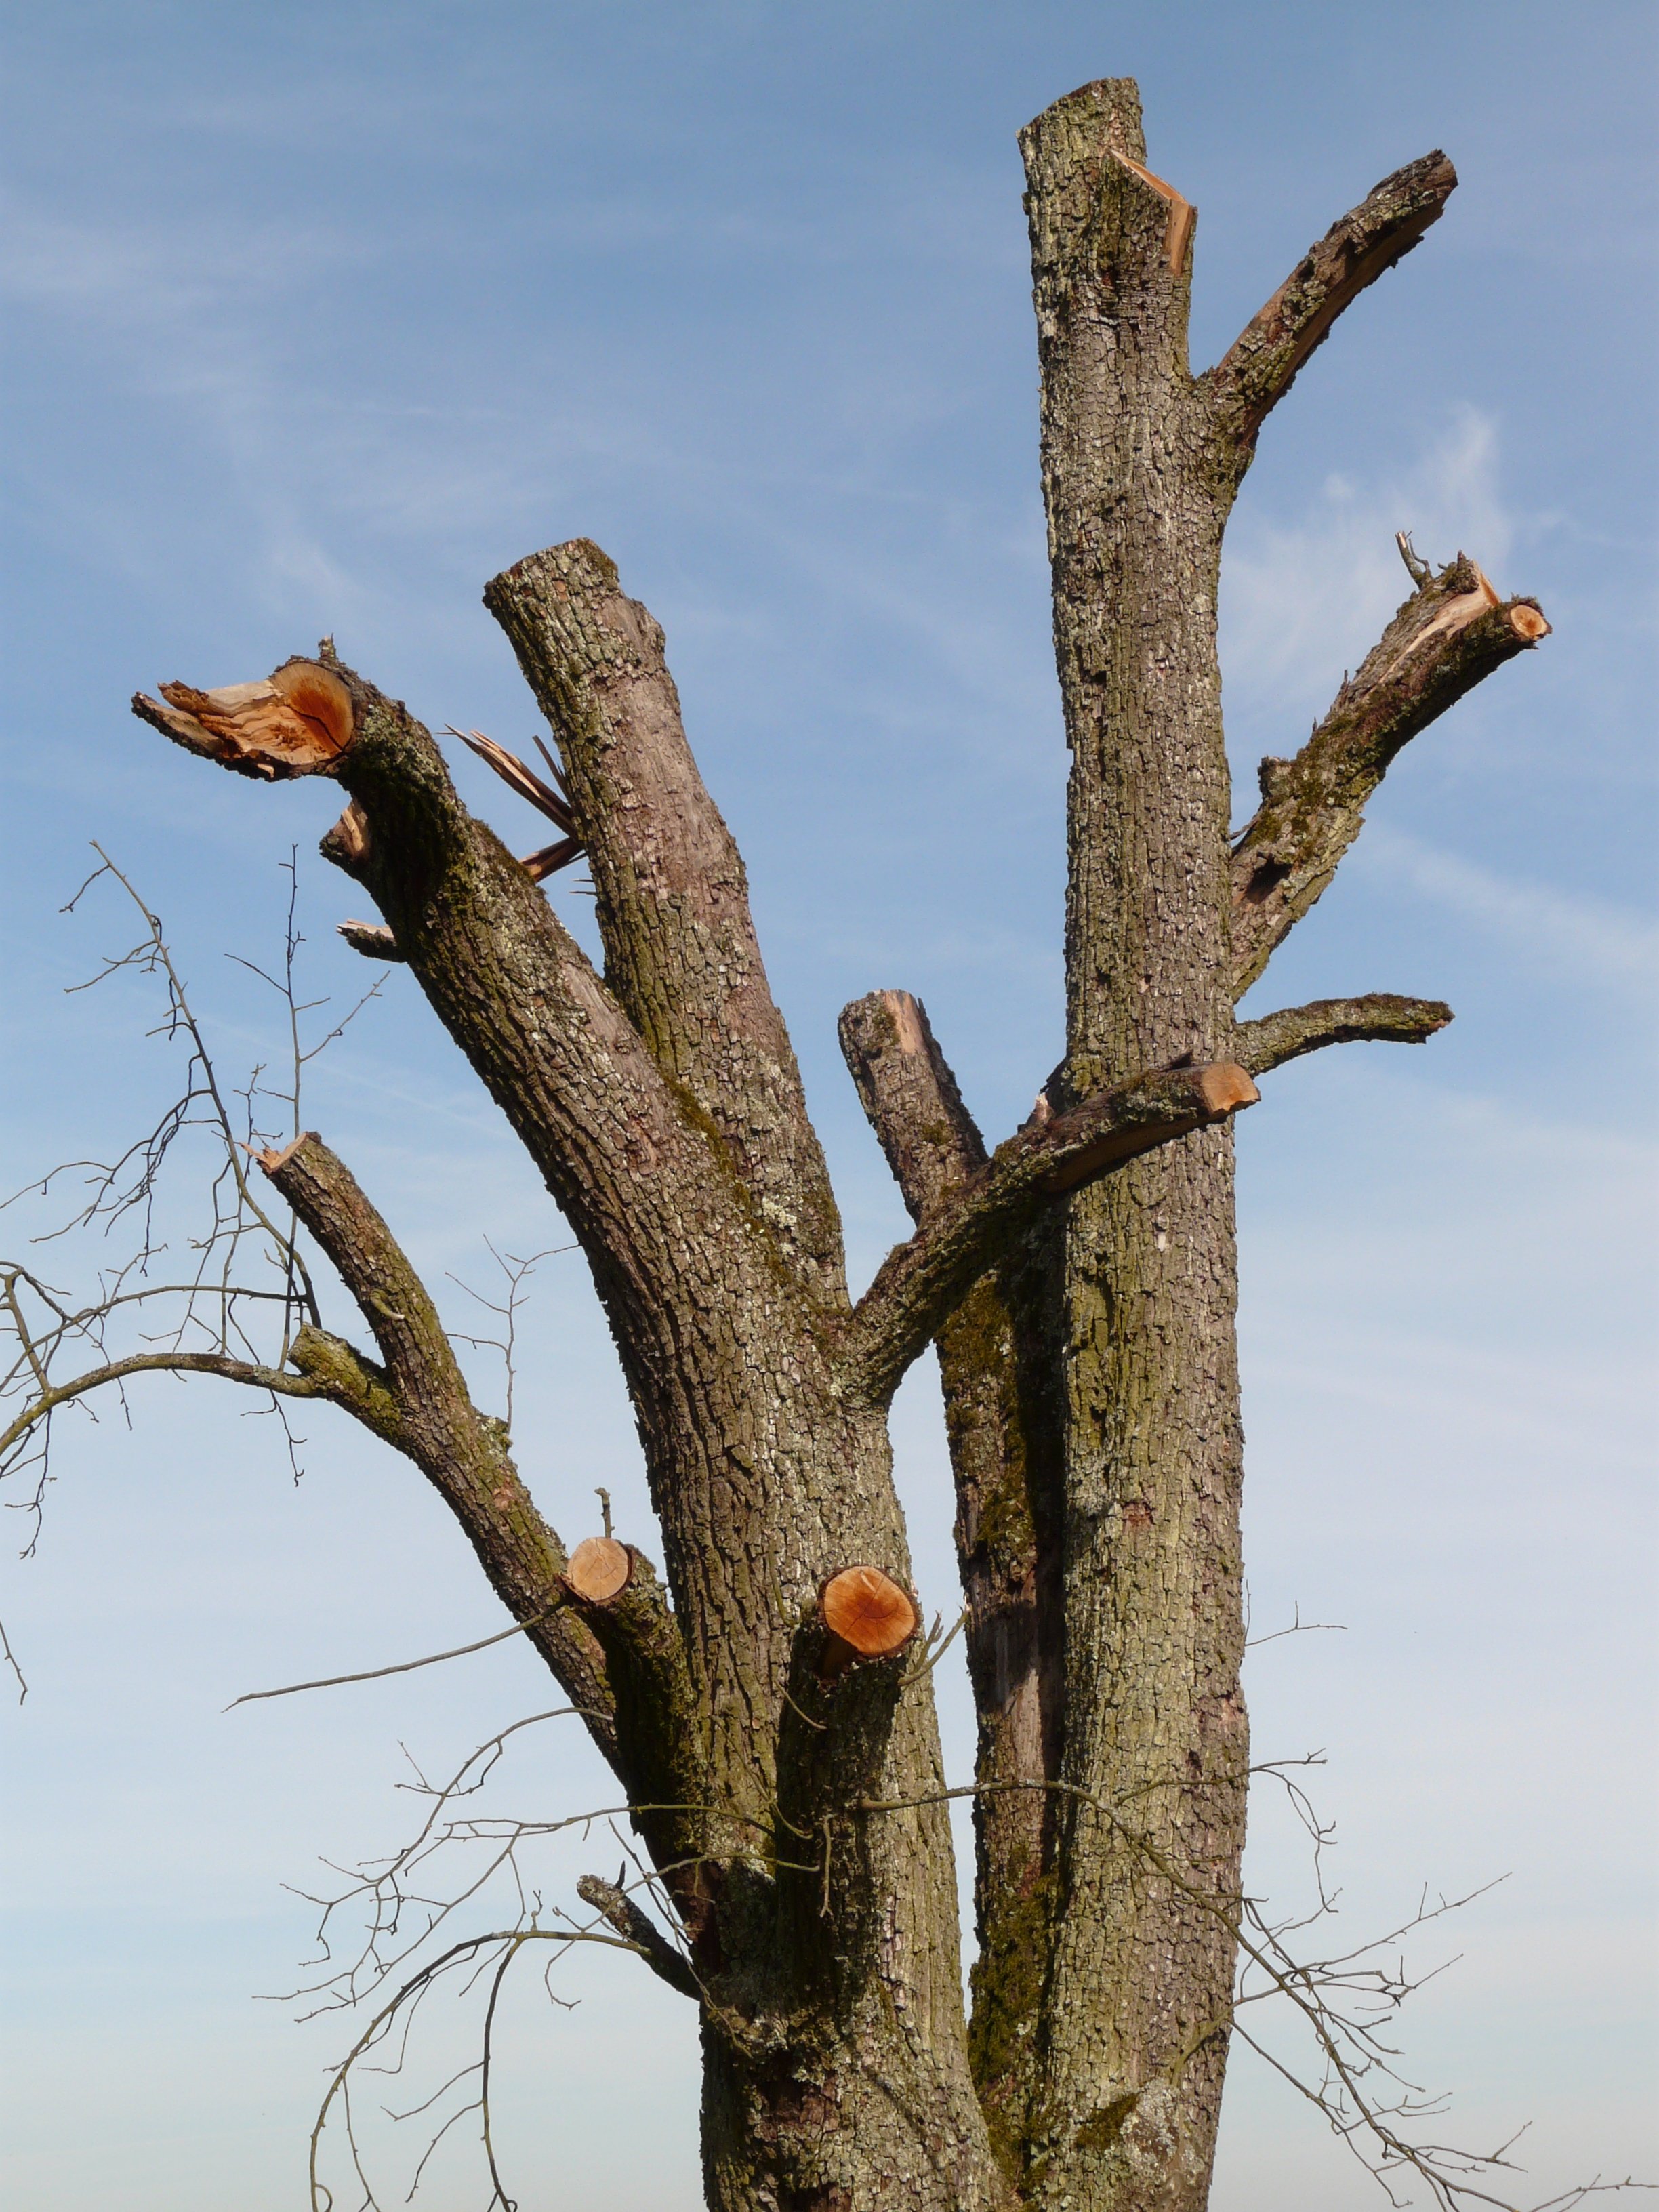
(1565, 933)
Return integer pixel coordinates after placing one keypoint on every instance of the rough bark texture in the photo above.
(1080, 1282)
(681, 953)
(1001, 1375)
(1131, 2027)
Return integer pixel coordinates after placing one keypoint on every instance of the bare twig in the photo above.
(403, 1667)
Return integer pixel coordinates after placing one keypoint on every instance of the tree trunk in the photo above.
(1134, 2022)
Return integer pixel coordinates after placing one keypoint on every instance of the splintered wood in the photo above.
(297, 721)
(598, 1568)
(1183, 214)
(868, 1612)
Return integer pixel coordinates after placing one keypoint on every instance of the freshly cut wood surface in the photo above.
(599, 1568)
(868, 1610)
(1224, 1086)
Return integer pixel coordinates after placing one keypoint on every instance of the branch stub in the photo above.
(868, 1612)
(599, 1569)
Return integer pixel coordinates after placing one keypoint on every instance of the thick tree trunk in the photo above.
(1133, 2033)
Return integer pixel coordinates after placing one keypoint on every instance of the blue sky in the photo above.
(316, 317)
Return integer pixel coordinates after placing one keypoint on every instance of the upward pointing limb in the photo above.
(1261, 364)
(1454, 631)
(671, 897)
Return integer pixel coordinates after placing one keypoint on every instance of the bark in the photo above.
(672, 897)
(1132, 2026)
(1001, 1375)
(824, 1943)
(417, 1400)
(1259, 367)
(1380, 1017)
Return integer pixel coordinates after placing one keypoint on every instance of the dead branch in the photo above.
(213, 1318)
(403, 1667)
(273, 1379)
(637, 1929)
(931, 1140)
(371, 939)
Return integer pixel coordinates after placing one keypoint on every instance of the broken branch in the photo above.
(371, 939)
(1452, 631)
(1261, 364)
(297, 721)
(636, 1927)
(931, 1140)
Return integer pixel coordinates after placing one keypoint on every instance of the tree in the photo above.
(766, 1704)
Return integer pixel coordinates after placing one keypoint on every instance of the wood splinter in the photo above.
(1178, 231)
(599, 1570)
(866, 1615)
(296, 721)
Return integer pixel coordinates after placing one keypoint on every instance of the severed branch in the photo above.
(1261, 364)
(1452, 631)
(920, 1283)
(298, 721)
(1379, 1018)
(371, 939)
(932, 1142)
(615, 1591)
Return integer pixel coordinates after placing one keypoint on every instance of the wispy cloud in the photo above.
(1561, 932)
